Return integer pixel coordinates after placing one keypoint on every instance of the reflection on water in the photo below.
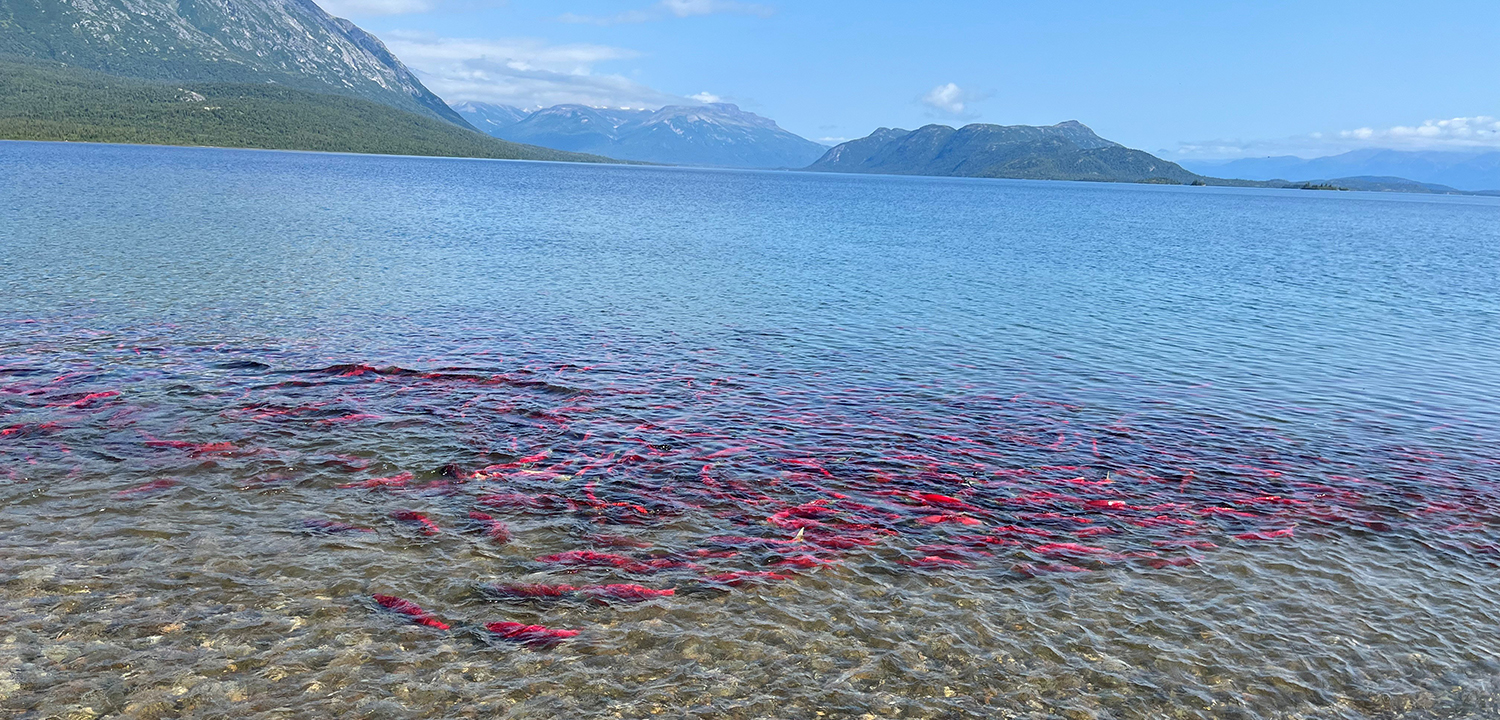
(373, 436)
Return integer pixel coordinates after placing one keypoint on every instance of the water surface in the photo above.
(901, 447)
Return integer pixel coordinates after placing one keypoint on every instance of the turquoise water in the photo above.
(904, 447)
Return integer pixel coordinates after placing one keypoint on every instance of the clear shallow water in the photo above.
(1054, 449)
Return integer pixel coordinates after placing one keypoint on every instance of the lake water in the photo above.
(900, 447)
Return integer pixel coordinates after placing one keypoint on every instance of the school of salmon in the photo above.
(1019, 486)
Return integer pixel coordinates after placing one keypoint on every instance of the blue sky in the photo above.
(1189, 80)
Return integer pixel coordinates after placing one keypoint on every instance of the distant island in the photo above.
(1447, 171)
(1065, 151)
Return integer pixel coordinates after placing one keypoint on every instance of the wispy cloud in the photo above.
(672, 9)
(706, 97)
(523, 72)
(369, 8)
(630, 16)
(690, 8)
(1462, 133)
(1479, 131)
(951, 100)
(366, 8)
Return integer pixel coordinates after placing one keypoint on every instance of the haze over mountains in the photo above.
(487, 117)
(714, 134)
(1464, 170)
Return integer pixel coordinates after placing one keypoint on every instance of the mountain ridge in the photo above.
(1472, 170)
(290, 42)
(486, 116)
(48, 101)
(1065, 151)
(713, 134)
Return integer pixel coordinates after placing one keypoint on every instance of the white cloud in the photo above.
(522, 72)
(672, 8)
(369, 8)
(366, 8)
(631, 16)
(690, 8)
(950, 99)
(706, 97)
(1479, 131)
(519, 53)
(1462, 133)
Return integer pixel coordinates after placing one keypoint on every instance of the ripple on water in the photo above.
(927, 551)
(1074, 451)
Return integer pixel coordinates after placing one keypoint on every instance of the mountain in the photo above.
(1065, 151)
(1373, 183)
(275, 74)
(489, 117)
(577, 128)
(41, 100)
(287, 42)
(717, 134)
(1470, 170)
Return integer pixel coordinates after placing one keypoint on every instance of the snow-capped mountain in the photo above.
(716, 134)
(489, 117)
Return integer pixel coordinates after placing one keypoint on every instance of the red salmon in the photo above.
(624, 592)
(394, 481)
(530, 635)
(1067, 549)
(410, 609)
(493, 529)
(740, 577)
(428, 527)
(528, 592)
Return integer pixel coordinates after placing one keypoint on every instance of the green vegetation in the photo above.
(1065, 151)
(50, 101)
(293, 43)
